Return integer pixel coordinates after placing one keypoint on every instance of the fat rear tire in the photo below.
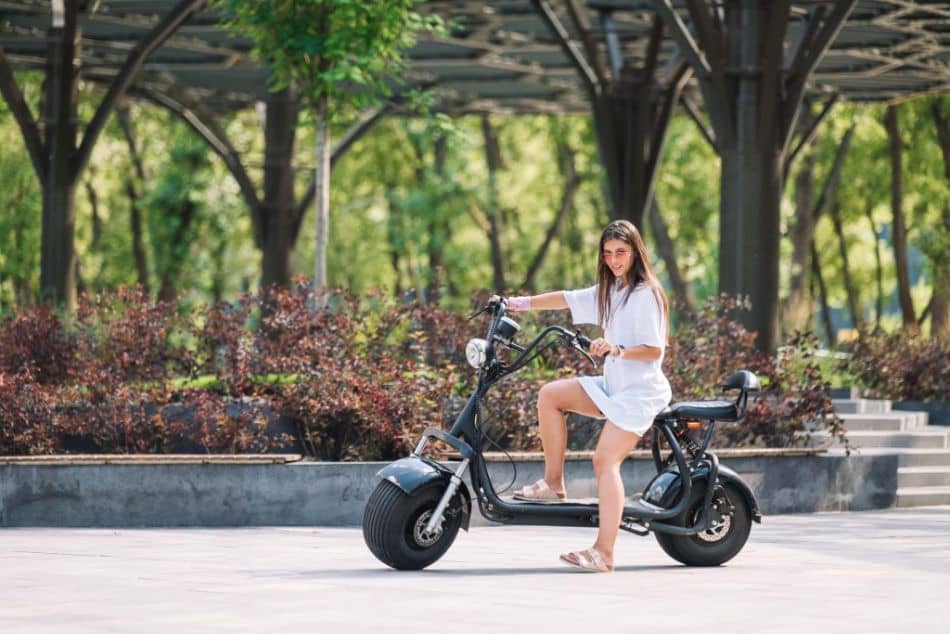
(391, 524)
(715, 546)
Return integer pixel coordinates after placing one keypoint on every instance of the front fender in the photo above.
(412, 473)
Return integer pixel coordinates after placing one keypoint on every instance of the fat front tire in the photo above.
(393, 524)
(716, 545)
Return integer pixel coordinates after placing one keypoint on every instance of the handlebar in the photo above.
(575, 339)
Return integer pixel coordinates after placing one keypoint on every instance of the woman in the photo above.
(631, 308)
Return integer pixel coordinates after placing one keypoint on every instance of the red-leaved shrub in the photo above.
(333, 376)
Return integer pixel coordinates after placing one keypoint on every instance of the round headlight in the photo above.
(475, 352)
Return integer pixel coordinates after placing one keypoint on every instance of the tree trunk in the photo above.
(135, 226)
(681, 290)
(892, 124)
(798, 314)
(322, 195)
(96, 217)
(438, 230)
(798, 308)
(168, 280)
(134, 193)
(878, 267)
(572, 181)
(494, 162)
(853, 308)
(822, 296)
(942, 123)
(277, 208)
(940, 302)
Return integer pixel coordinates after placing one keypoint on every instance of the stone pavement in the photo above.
(877, 571)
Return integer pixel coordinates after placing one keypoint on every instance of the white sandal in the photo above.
(539, 491)
(589, 560)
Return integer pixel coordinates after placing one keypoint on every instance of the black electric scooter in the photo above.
(703, 519)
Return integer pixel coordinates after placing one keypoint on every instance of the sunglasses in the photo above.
(623, 254)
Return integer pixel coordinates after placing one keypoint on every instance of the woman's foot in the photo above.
(539, 491)
(589, 560)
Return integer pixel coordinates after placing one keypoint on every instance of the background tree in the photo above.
(337, 54)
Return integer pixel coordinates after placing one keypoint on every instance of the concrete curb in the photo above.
(213, 494)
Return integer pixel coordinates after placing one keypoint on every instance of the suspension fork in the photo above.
(454, 483)
(455, 480)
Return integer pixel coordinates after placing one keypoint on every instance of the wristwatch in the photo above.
(621, 349)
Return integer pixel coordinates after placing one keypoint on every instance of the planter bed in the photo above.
(282, 490)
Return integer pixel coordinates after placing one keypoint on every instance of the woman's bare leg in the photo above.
(613, 447)
(554, 400)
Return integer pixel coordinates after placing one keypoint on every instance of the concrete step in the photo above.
(884, 421)
(917, 439)
(922, 458)
(905, 457)
(923, 477)
(860, 406)
(923, 496)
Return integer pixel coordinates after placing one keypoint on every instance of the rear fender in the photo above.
(664, 490)
(412, 473)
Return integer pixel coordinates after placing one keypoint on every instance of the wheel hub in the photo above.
(419, 533)
(720, 529)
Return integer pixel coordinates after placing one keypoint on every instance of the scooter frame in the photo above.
(662, 500)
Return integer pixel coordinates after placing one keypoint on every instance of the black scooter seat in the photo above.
(701, 410)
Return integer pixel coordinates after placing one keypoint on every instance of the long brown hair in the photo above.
(640, 272)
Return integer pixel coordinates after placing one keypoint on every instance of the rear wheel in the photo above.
(394, 525)
(717, 544)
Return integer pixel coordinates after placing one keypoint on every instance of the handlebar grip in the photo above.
(583, 341)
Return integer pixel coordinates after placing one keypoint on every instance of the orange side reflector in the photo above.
(694, 424)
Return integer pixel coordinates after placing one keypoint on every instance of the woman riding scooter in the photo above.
(629, 305)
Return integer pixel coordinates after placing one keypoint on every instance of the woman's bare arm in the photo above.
(548, 301)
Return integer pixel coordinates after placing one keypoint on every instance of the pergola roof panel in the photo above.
(500, 54)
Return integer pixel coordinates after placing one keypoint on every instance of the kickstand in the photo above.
(637, 527)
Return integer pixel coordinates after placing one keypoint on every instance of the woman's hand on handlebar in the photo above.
(600, 347)
(513, 304)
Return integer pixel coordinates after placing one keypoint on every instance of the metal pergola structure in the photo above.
(749, 64)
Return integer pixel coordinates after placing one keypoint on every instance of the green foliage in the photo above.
(345, 50)
(709, 345)
(864, 195)
(687, 192)
(901, 366)
(20, 211)
(175, 209)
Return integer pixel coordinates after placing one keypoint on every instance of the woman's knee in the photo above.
(603, 463)
(552, 394)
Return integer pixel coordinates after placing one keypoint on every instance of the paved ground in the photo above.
(884, 571)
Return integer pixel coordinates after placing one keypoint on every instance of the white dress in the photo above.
(630, 393)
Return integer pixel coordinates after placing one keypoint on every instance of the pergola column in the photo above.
(631, 105)
(278, 205)
(58, 258)
(52, 142)
(753, 91)
(631, 131)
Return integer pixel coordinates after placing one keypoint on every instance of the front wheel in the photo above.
(394, 525)
(717, 544)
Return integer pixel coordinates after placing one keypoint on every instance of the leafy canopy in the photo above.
(344, 50)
